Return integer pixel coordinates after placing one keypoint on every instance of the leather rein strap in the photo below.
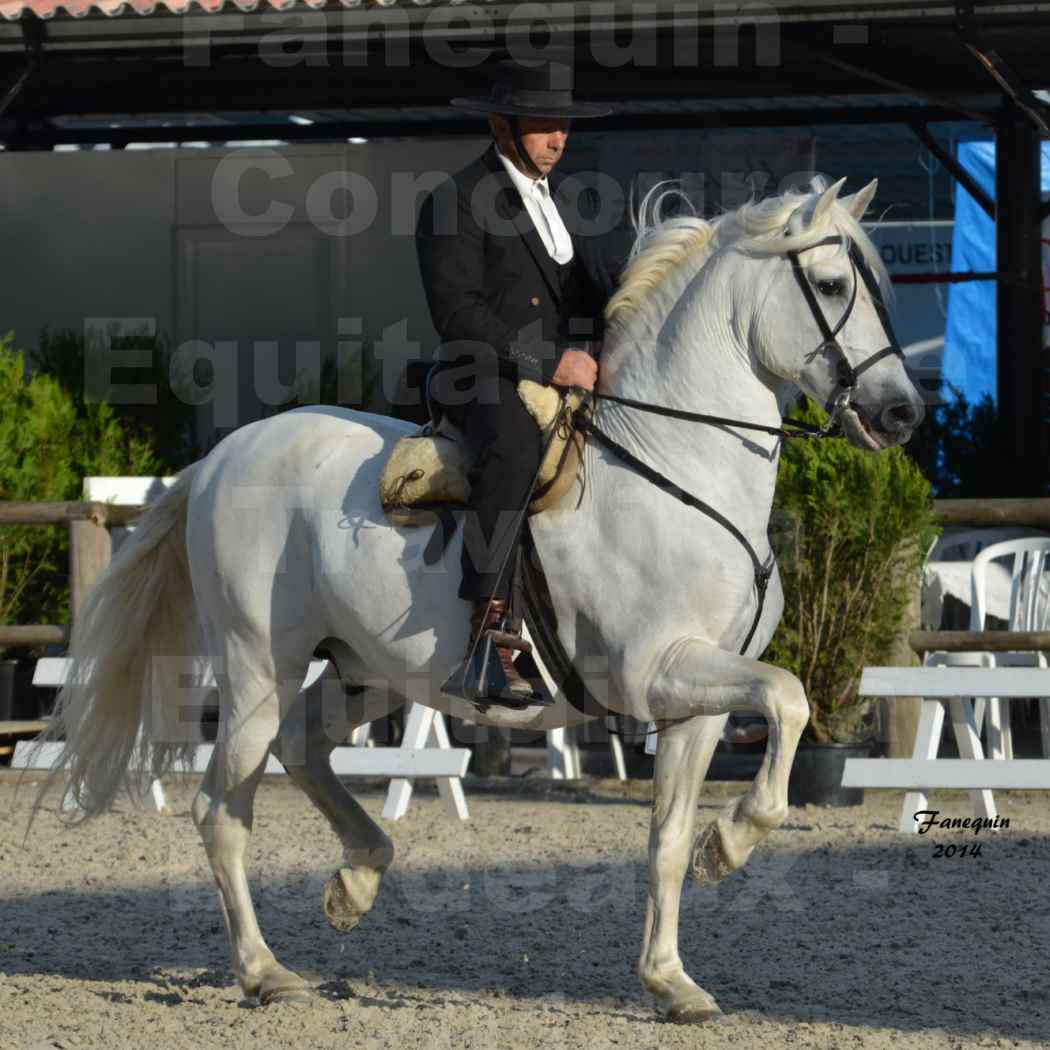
(799, 428)
(661, 481)
(848, 376)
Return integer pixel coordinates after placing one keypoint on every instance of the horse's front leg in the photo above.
(696, 678)
(682, 758)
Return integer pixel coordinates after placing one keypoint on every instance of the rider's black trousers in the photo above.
(505, 443)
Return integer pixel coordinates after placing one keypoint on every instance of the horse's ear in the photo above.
(815, 210)
(825, 202)
(858, 203)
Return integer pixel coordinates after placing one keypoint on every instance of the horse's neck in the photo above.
(734, 468)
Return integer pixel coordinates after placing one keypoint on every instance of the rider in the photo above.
(511, 300)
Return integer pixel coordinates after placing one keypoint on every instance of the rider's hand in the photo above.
(576, 368)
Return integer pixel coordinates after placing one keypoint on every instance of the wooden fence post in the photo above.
(90, 550)
(900, 716)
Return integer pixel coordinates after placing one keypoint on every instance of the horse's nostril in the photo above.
(902, 416)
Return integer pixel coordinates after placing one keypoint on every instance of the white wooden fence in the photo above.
(954, 687)
(425, 751)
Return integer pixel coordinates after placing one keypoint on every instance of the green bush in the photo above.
(851, 529)
(48, 443)
(165, 421)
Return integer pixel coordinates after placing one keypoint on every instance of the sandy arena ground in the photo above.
(521, 929)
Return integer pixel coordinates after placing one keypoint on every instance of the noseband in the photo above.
(848, 377)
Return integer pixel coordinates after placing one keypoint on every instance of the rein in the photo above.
(800, 428)
(661, 481)
(848, 377)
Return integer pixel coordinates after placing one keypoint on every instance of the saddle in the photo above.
(426, 473)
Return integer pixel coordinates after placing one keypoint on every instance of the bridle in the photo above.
(848, 374)
(848, 378)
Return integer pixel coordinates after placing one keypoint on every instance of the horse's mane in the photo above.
(668, 251)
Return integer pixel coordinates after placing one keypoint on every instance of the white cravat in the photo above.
(536, 195)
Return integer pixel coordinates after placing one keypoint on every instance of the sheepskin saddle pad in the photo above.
(427, 471)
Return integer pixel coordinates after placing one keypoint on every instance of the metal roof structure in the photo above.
(12, 9)
(797, 10)
(397, 61)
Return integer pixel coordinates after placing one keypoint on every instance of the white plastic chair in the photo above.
(966, 546)
(961, 546)
(1029, 566)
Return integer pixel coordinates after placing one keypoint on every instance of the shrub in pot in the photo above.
(851, 529)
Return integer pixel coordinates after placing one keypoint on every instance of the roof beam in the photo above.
(894, 85)
(46, 136)
(955, 169)
(33, 36)
(998, 69)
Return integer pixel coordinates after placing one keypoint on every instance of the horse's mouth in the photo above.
(860, 431)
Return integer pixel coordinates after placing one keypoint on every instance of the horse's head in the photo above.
(821, 322)
(791, 286)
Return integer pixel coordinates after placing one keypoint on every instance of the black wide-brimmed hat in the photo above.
(539, 89)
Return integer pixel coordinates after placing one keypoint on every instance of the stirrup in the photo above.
(482, 682)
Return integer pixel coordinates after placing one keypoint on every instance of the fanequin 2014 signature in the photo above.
(930, 818)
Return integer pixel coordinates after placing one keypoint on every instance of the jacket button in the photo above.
(535, 300)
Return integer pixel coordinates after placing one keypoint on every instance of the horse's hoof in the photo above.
(710, 863)
(349, 895)
(698, 1012)
(277, 985)
(285, 995)
(690, 1004)
(680, 999)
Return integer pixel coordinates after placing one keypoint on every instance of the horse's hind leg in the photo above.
(682, 758)
(308, 733)
(223, 812)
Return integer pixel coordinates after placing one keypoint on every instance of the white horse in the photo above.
(276, 542)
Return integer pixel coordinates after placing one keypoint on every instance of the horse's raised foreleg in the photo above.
(223, 811)
(682, 758)
(308, 733)
(696, 678)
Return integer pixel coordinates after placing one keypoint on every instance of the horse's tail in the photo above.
(132, 636)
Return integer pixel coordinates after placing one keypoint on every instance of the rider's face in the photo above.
(544, 140)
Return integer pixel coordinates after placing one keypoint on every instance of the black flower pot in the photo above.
(816, 776)
(7, 689)
(29, 698)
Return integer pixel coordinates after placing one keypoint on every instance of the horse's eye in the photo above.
(831, 288)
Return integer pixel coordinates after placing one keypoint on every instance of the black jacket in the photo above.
(491, 285)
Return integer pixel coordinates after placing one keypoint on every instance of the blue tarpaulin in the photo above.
(970, 337)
